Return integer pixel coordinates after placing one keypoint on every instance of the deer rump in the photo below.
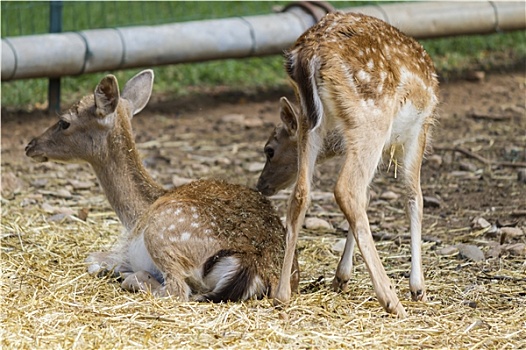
(205, 233)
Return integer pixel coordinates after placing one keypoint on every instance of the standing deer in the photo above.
(365, 90)
(207, 240)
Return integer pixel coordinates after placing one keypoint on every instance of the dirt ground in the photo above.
(473, 170)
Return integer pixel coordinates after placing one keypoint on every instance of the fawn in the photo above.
(365, 90)
(205, 241)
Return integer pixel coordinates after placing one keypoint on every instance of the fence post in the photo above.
(55, 26)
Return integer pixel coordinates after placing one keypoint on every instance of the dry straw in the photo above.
(49, 301)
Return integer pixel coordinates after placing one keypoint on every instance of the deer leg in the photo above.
(351, 195)
(308, 147)
(174, 286)
(141, 281)
(103, 263)
(412, 164)
(344, 270)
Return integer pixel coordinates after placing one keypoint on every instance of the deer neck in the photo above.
(128, 186)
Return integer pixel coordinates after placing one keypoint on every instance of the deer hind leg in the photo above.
(141, 281)
(174, 285)
(344, 270)
(308, 147)
(413, 154)
(351, 195)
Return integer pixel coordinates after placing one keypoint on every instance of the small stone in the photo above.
(283, 316)
(83, 214)
(494, 250)
(431, 202)
(57, 217)
(253, 123)
(389, 196)
(467, 166)
(39, 183)
(476, 76)
(510, 233)
(516, 249)
(11, 185)
(470, 303)
(255, 167)
(344, 226)
(179, 181)
(233, 118)
(339, 246)
(81, 185)
(449, 250)
(317, 224)
(479, 223)
(470, 252)
(435, 161)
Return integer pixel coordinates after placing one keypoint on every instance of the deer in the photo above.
(367, 93)
(208, 240)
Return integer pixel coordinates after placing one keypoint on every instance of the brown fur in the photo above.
(207, 240)
(365, 90)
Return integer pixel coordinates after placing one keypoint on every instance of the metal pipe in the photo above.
(55, 55)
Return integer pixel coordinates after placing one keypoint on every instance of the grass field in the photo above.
(452, 56)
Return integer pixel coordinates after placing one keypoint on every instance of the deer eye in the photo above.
(63, 125)
(269, 152)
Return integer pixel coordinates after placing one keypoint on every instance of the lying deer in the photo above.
(207, 240)
(365, 90)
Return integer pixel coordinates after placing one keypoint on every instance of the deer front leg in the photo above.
(344, 270)
(298, 203)
(103, 263)
(295, 215)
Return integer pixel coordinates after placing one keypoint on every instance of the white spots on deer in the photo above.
(167, 212)
(185, 236)
(363, 76)
(370, 64)
(194, 224)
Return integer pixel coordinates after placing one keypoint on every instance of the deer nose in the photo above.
(30, 145)
(265, 189)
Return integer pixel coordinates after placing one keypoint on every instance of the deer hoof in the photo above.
(419, 295)
(340, 285)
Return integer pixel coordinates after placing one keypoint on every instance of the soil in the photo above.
(222, 134)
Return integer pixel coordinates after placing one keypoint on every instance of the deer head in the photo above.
(281, 151)
(83, 133)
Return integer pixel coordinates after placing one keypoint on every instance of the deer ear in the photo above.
(106, 96)
(288, 116)
(138, 90)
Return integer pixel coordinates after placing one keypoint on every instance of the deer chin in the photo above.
(39, 158)
(267, 191)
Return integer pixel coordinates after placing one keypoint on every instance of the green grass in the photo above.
(452, 56)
